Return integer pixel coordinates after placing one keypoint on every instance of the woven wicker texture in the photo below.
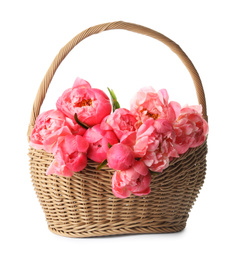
(84, 205)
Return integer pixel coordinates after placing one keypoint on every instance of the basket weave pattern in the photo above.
(84, 205)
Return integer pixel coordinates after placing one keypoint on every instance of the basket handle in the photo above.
(105, 27)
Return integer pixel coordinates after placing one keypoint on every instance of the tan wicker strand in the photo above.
(110, 26)
(84, 205)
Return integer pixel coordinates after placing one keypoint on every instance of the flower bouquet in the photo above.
(136, 143)
(100, 169)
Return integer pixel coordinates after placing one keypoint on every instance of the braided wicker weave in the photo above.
(84, 205)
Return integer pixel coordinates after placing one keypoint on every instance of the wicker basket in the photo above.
(84, 205)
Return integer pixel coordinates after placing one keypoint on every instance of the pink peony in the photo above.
(155, 144)
(135, 180)
(75, 128)
(122, 122)
(48, 127)
(98, 142)
(70, 156)
(120, 157)
(147, 103)
(91, 105)
(190, 128)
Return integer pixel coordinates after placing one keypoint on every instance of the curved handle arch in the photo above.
(111, 26)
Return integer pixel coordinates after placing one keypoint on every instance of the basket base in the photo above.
(123, 231)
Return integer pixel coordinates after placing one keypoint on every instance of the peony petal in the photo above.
(146, 129)
(66, 172)
(141, 168)
(52, 168)
(129, 139)
(121, 193)
(176, 108)
(36, 146)
(93, 134)
(78, 164)
(51, 140)
(205, 128)
(143, 192)
(164, 94)
(141, 146)
(81, 83)
(96, 152)
(142, 187)
(82, 144)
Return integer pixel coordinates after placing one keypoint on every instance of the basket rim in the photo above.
(107, 168)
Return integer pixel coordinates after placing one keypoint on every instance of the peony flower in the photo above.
(91, 105)
(147, 103)
(98, 142)
(122, 122)
(190, 129)
(135, 180)
(120, 157)
(48, 127)
(70, 156)
(155, 144)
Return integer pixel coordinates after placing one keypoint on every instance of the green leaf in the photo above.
(115, 103)
(101, 165)
(109, 145)
(80, 123)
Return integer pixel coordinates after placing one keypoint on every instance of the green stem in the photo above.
(115, 103)
(154, 173)
(80, 123)
(102, 164)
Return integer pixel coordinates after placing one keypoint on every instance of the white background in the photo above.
(32, 33)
